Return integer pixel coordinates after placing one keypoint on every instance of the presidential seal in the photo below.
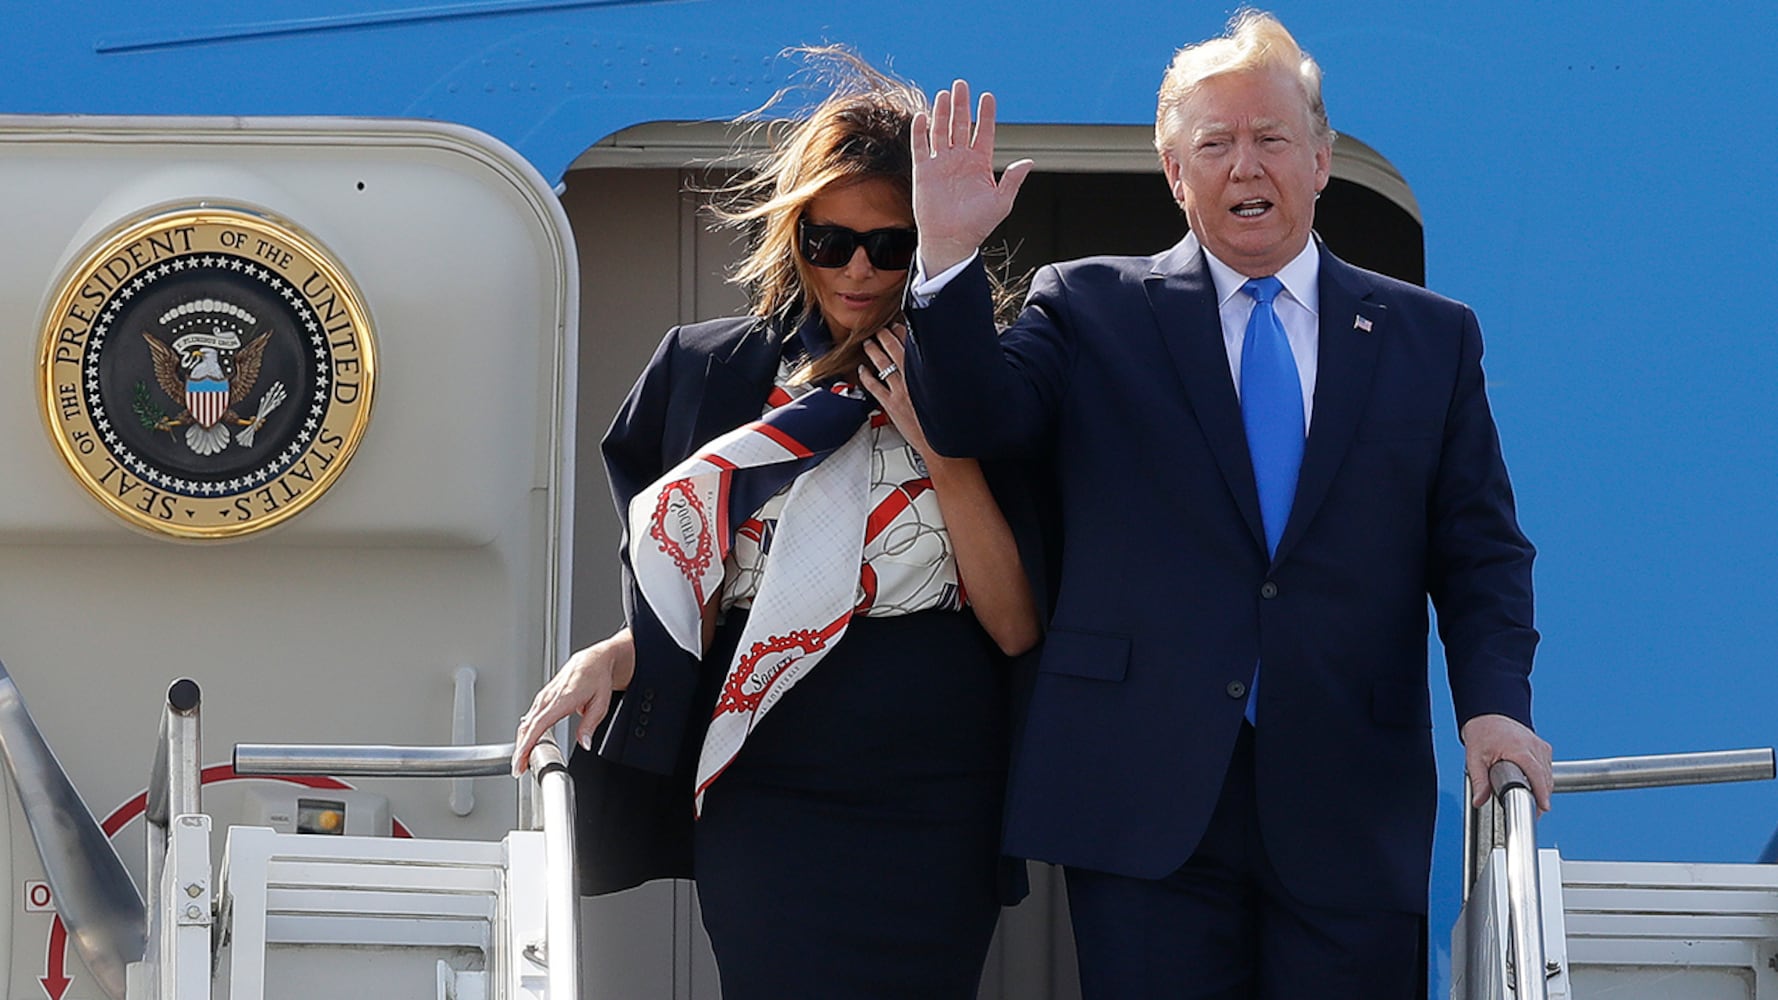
(207, 373)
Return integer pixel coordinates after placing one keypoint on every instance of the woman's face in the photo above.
(858, 292)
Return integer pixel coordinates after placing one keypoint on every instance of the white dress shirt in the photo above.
(1298, 308)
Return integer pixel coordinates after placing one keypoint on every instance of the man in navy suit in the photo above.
(1267, 460)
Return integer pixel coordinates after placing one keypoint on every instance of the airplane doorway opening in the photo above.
(1365, 228)
(648, 261)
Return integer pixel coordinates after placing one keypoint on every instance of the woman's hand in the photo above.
(988, 562)
(584, 686)
(890, 389)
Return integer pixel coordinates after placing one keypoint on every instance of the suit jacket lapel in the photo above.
(736, 384)
(1351, 330)
(1185, 308)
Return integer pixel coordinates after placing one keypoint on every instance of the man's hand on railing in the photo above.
(1489, 739)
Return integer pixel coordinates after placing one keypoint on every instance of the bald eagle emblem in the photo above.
(209, 372)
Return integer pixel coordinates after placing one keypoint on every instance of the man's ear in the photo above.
(1175, 176)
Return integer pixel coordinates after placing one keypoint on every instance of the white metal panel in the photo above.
(377, 916)
(1649, 929)
(440, 546)
(459, 258)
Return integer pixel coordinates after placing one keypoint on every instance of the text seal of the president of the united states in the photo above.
(207, 372)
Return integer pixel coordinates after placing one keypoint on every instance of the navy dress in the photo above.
(851, 850)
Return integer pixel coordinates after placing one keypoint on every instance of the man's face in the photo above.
(1246, 168)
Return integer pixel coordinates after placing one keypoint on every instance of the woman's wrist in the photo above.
(620, 649)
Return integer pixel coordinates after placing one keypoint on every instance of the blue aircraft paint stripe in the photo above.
(179, 38)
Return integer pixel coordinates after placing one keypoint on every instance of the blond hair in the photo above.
(858, 132)
(1253, 41)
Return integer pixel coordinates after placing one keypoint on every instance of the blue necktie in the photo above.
(1272, 412)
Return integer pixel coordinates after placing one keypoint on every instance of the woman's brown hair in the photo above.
(859, 131)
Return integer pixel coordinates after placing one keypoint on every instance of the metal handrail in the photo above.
(95, 898)
(469, 761)
(1481, 830)
(561, 907)
(1664, 770)
(175, 786)
(1508, 819)
(1524, 901)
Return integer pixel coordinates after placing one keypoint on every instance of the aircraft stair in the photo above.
(291, 915)
(296, 915)
(1611, 929)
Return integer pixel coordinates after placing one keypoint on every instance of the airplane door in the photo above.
(283, 412)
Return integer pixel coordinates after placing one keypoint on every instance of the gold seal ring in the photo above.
(206, 373)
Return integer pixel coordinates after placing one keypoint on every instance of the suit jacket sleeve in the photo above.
(1479, 561)
(980, 395)
(635, 457)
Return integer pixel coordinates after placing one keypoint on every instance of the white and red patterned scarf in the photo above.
(683, 526)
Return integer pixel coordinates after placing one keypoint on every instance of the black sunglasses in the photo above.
(833, 246)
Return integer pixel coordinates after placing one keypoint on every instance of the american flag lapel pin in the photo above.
(1360, 323)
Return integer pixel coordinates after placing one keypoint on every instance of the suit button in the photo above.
(1237, 689)
(1268, 590)
(639, 732)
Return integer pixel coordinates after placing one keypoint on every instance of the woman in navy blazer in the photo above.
(850, 848)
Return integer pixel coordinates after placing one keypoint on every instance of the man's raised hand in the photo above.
(957, 202)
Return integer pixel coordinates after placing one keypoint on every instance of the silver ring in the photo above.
(887, 370)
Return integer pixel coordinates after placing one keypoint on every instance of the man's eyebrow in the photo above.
(1258, 125)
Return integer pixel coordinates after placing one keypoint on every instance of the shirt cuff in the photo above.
(926, 289)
